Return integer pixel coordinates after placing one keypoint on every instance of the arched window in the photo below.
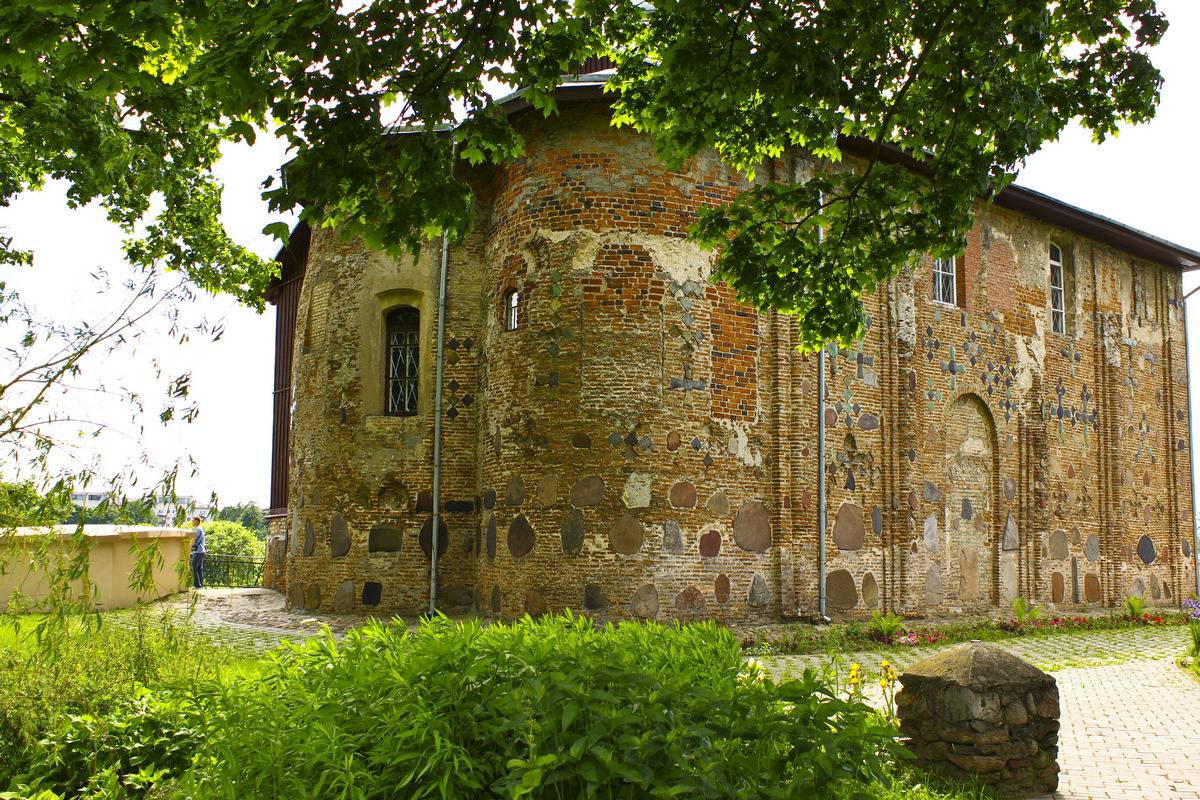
(1058, 291)
(401, 359)
(512, 310)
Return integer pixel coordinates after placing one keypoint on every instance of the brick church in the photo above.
(620, 437)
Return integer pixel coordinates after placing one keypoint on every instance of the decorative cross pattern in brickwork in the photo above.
(955, 369)
(846, 408)
(1144, 447)
(1130, 381)
(684, 331)
(1078, 414)
(457, 397)
(972, 348)
(630, 438)
(554, 333)
(934, 396)
(857, 358)
(1072, 356)
(931, 344)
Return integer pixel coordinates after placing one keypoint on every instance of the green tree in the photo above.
(129, 101)
(248, 514)
(21, 504)
(231, 539)
(115, 512)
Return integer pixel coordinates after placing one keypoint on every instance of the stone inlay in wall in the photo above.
(967, 511)
(931, 533)
(1186, 546)
(683, 495)
(931, 493)
(535, 604)
(690, 602)
(710, 544)
(310, 539)
(295, 595)
(572, 532)
(581, 441)
(1059, 546)
(1091, 588)
(752, 527)
(673, 441)
(718, 503)
(848, 531)
(721, 588)
(312, 597)
(456, 595)
(424, 501)
(547, 489)
(489, 499)
(637, 490)
(876, 520)
(426, 537)
(870, 591)
(1012, 538)
(594, 598)
(1091, 548)
(490, 539)
(587, 491)
(385, 539)
(1145, 550)
(514, 493)
(672, 537)
(760, 594)
(343, 598)
(372, 593)
(1057, 587)
(339, 536)
(626, 535)
(934, 590)
(840, 591)
(644, 603)
(1139, 587)
(495, 599)
(1010, 489)
(975, 712)
(520, 536)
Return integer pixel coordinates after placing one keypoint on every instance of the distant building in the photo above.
(164, 509)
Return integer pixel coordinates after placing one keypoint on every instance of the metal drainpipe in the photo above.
(821, 519)
(1191, 443)
(439, 370)
(821, 513)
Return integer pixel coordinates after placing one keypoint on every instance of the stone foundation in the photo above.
(977, 712)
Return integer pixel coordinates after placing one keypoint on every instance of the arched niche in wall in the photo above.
(373, 346)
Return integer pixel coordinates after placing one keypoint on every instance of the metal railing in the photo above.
(233, 571)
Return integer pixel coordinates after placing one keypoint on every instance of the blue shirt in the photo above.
(198, 545)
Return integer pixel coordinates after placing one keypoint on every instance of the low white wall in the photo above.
(112, 554)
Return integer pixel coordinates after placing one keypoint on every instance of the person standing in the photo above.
(198, 551)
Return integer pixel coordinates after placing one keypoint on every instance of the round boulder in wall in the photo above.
(752, 527)
(849, 533)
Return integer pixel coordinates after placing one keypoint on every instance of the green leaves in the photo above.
(128, 101)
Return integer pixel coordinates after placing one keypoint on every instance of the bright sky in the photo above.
(1142, 178)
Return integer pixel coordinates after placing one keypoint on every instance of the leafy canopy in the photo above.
(129, 101)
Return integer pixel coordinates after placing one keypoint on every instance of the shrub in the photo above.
(1025, 612)
(231, 539)
(90, 672)
(885, 627)
(542, 709)
(1135, 607)
(1194, 629)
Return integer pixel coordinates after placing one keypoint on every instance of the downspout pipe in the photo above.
(822, 521)
(439, 372)
(1191, 443)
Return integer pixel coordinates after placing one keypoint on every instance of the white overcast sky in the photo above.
(1144, 178)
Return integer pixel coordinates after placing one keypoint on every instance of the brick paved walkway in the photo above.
(1131, 718)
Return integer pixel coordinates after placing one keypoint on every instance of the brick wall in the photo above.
(644, 446)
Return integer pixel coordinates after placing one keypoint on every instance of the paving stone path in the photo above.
(1130, 717)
